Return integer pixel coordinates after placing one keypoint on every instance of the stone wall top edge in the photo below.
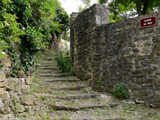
(128, 20)
(80, 14)
(118, 22)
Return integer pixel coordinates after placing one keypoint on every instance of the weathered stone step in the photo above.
(47, 62)
(42, 74)
(83, 96)
(75, 108)
(71, 97)
(49, 59)
(62, 80)
(77, 104)
(50, 75)
(47, 54)
(44, 71)
(64, 84)
(69, 88)
(48, 68)
(47, 65)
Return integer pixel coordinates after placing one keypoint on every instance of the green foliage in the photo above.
(119, 10)
(102, 1)
(124, 9)
(157, 117)
(32, 40)
(28, 60)
(43, 98)
(52, 110)
(62, 17)
(87, 4)
(64, 62)
(26, 27)
(15, 107)
(120, 91)
(99, 83)
(22, 9)
(9, 28)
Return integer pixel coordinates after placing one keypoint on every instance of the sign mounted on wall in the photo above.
(147, 22)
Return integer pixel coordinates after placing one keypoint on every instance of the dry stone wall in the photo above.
(107, 54)
(15, 95)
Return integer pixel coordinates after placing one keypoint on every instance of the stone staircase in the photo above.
(66, 93)
(60, 97)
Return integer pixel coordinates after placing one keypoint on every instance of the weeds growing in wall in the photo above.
(120, 91)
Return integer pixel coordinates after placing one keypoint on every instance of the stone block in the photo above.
(22, 80)
(157, 92)
(20, 108)
(28, 80)
(25, 89)
(27, 99)
(9, 117)
(6, 62)
(1, 104)
(3, 84)
(14, 84)
(2, 92)
(6, 109)
(14, 96)
(6, 96)
(2, 76)
(6, 71)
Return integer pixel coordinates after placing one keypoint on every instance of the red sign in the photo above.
(147, 22)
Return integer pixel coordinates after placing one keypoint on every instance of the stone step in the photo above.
(48, 59)
(83, 96)
(44, 71)
(48, 68)
(69, 88)
(42, 74)
(48, 75)
(47, 55)
(74, 108)
(70, 97)
(81, 102)
(62, 80)
(47, 65)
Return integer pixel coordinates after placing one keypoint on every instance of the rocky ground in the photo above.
(59, 97)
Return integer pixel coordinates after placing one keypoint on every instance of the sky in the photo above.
(72, 5)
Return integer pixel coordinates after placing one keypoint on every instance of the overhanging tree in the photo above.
(131, 8)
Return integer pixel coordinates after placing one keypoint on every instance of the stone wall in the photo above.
(15, 95)
(107, 54)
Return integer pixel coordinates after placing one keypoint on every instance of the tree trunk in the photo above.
(145, 7)
(138, 5)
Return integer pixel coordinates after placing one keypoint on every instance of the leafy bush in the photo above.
(120, 91)
(9, 28)
(62, 58)
(64, 62)
(26, 27)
